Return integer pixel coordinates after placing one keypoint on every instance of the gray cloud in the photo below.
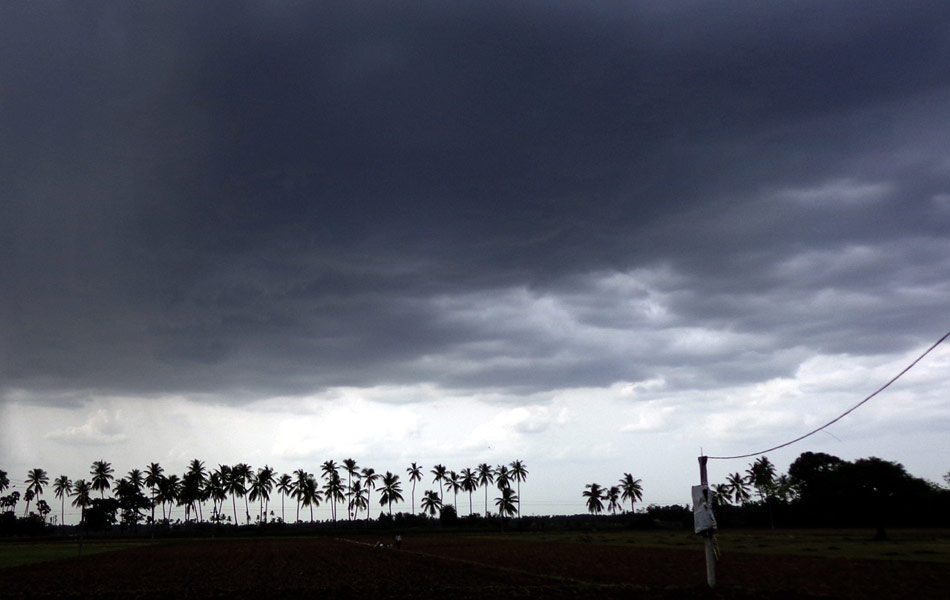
(250, 201)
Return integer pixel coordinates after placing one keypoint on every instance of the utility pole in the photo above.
(704, 530)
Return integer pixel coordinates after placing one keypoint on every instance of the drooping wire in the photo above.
(842, 415)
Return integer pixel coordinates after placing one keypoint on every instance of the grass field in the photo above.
(23, 553)
(918, 545)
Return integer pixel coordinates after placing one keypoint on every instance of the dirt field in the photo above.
(457, 567)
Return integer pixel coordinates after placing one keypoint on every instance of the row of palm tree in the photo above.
(199, 485)
(761, 477)
(627, 489)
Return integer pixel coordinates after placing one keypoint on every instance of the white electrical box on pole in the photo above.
(704, 521)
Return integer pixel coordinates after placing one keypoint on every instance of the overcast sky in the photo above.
(596, 237)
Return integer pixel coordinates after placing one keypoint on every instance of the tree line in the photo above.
(137, 496)
(821, 490)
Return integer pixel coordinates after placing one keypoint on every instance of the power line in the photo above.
(845, 413)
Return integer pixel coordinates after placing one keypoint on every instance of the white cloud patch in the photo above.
(839, 192)
(102, 427)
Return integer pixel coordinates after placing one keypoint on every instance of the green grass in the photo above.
(17, 553)
(912, 545)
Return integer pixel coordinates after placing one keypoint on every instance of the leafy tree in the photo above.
(43, 508)
(101, 513)
(62, 486)
(370, 477)
(632, 490)
(415, 474)
(81, 498)
(507, 502)
(519, 473)
(131, 501)
(9, 502)
(101, 476)
(439, 471)
(285, 485)
(36, 480)
(595, 497)
(486, 477)
(431, 503)
(390, 490)
(469, 482)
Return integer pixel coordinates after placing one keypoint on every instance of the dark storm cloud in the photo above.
(268, 198)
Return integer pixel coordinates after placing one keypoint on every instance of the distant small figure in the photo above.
(398, 541)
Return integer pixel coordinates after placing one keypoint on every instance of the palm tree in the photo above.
(101, 476)
(431, 503)
(218, 494)
(722, 494)
(612, 496)
(469, 482)
(359, 498)
(309, 493)
(595, 497)
(197, 478)
(415, 474)
(153, 474)
(452, 483)
(370, 476)
(4, 481)
(349, 465)
(439, 472)
(300, 481)
(233, 485)
(507, 502)
(285, 485)
(739, 487)
(81, 489)
(62, 486)
(632, 490)
(36, 479)
(486, 476)
(333, 491)
(242, 473)
(502, 477)
(135, 479)
(261, 487)
(333, 488)
(519, 473)
(761, 475)
(169, 492)
(390, 490)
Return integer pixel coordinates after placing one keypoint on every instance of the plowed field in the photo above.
(456, 567)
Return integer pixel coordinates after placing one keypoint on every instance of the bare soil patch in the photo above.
(454, 567)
